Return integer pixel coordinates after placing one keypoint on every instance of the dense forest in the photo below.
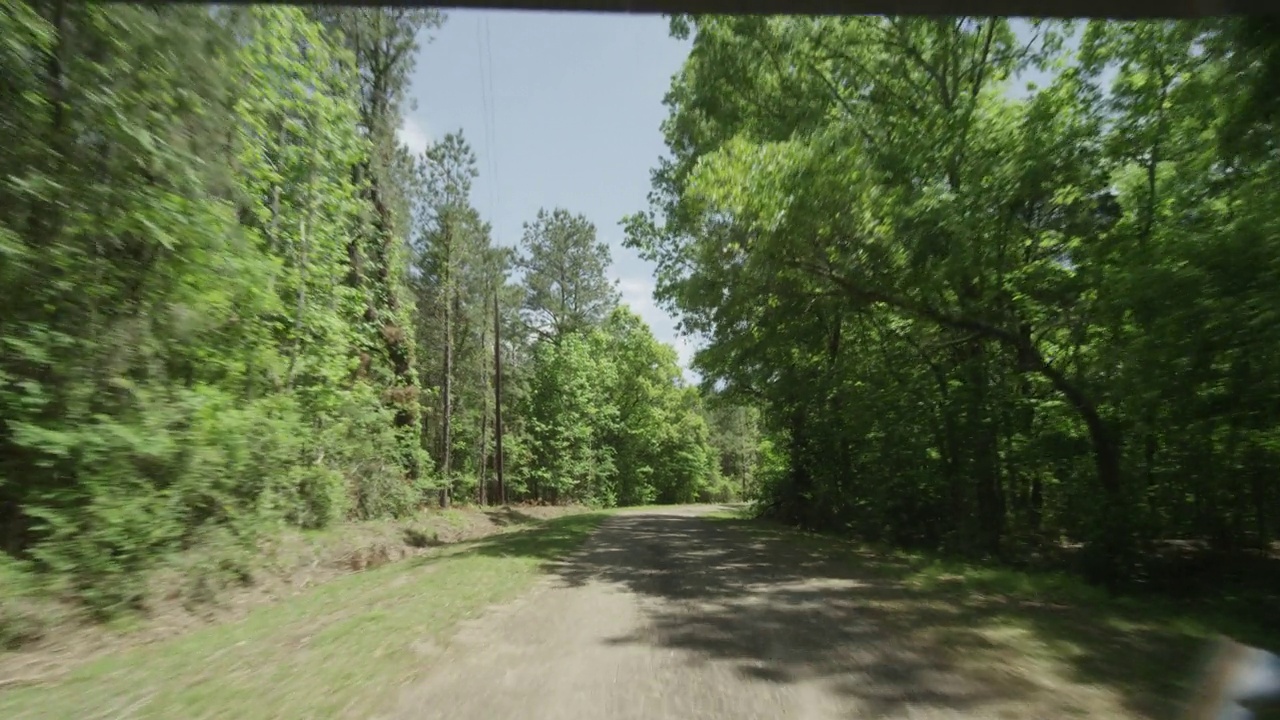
(998, 288)
(986, 287)
(231, 300)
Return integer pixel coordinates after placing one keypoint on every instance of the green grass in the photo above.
(341, 650)
(1147, 649)
(742, 512)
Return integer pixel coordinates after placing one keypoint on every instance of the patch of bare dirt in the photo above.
(222, 584)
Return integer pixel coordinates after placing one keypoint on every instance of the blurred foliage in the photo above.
(231, 299)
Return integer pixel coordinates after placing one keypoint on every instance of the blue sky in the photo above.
(574, 104)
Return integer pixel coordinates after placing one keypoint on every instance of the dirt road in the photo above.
(667, 616)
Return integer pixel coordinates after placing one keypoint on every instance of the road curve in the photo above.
(663, 615)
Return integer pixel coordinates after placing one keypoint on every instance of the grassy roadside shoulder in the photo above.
(1147, 651)
(337, 651)
(222, 578)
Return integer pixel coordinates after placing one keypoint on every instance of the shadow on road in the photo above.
(786, 611)
(506, 515)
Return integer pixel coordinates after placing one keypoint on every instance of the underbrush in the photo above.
(340, 650)
(223, 576)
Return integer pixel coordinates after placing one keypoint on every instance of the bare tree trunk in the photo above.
(497, 401)
(481, 476)
(446, 417)
(301, 309)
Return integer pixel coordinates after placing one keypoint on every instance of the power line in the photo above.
(484, 56)
(484, 95)
(493, 122)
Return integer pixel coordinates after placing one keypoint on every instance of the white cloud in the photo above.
(414, 135)
(638, 293)
(685, 348)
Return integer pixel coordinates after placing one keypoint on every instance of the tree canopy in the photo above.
(983, 315)
(232, 299)
(943, 306)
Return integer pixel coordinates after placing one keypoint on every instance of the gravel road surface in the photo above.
(663, 615)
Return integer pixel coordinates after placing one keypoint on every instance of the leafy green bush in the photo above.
(360, 444)
(23, 617)
(321, 496)
(718, 490)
